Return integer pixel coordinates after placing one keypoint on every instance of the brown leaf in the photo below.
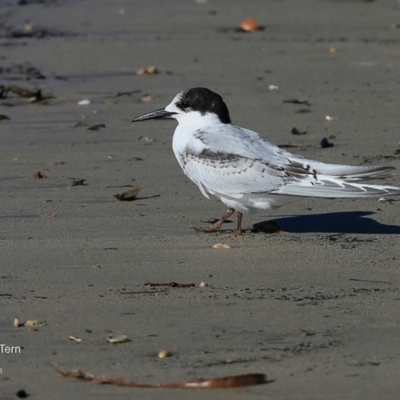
(226, 382)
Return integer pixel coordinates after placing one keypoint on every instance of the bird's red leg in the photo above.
(238, 231)
(218, 224)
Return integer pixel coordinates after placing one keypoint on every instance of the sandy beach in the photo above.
(313, 306)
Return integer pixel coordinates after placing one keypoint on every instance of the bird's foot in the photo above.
(212, 228)
(215, 227)
(238, 232)
(218, 224)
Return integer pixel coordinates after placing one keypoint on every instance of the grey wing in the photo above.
(232, 175)
(235, 161)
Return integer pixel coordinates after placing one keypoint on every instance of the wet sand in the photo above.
(314, 307)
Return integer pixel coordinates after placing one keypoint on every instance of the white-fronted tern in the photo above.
(245, 171)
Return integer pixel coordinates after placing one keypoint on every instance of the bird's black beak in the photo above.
(161, 113)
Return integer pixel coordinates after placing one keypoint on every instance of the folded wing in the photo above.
(233, 161)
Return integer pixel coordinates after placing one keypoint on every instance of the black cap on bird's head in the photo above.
(204, 101)
(197, 99)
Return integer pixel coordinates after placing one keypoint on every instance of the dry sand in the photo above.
(316, 308)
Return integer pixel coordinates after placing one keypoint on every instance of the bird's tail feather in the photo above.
(335, 188)
(352, 173)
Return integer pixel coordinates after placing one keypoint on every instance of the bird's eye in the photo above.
(184, 106)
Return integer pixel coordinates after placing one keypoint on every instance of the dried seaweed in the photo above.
(33, 96)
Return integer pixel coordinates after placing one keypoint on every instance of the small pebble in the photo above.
(84, 102)
(34, 323)
(38, 175)
(75, 339)
(295, 131)
(385, 200)
(325, 143)
(21, 394)
(146, 139)
(151, 70)
(146, 99)
(221, 246)
(329, 118)
(117, 339)
(249, 25)
(164, 354)
(129, 195)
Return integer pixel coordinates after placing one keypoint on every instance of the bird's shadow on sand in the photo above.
(336, 222)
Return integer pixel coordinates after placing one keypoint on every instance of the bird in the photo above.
(246, 172)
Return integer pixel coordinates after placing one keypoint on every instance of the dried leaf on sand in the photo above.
(226, 382)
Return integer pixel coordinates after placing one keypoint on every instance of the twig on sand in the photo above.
(170, 284)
